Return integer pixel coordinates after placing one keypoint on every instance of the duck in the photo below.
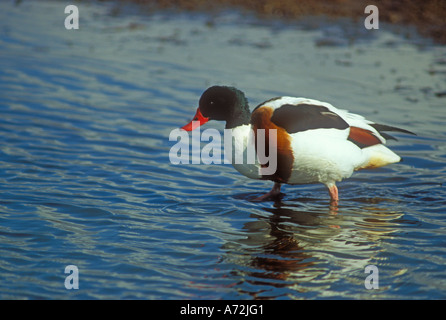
(315, 142)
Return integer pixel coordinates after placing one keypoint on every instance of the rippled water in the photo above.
(85, 176)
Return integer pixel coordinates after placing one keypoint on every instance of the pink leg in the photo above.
(275, 191)
(334, 196)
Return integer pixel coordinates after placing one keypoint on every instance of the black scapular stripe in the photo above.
(302, 117)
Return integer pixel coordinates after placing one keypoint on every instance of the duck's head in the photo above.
(221, 103)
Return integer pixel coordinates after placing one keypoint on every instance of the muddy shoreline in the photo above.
(427, 16)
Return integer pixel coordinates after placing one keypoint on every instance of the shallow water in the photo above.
(86, 180)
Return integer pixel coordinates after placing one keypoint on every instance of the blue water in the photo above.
(85, 176)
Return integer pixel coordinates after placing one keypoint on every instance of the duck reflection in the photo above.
(290, 247)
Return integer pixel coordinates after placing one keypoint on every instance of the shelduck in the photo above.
(315, 142)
